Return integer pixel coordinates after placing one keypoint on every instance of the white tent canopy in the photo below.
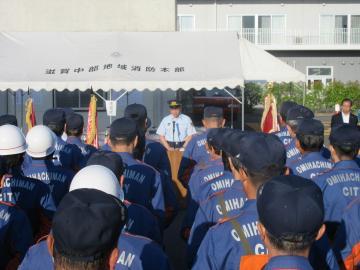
(111, 60)
(259, 65)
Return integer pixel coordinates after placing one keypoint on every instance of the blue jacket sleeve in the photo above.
(205, 255)
(157, 201)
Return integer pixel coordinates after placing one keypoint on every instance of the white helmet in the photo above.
(40, 141)
(97, 177)
(12, 140)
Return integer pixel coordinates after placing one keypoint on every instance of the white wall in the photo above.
(87, 15)
(300, 15)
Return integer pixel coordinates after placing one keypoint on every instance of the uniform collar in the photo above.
(173, 118)
(40, 163)
(74, 140)
(346, 164)
(288, 262)
(312, 155)
(126, 156)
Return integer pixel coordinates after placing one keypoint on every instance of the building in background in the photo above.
(319, 38)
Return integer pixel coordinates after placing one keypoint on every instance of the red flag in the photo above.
(92, 126)
(30, 117)
(269, 122)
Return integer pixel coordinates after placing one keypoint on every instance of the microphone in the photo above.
(173, 122)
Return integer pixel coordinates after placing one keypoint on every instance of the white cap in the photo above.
(12, 140)
(100, 178)
(41, 142)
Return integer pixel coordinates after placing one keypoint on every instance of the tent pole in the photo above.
(110, 117)
(240, 102)
(304, 93)
(242, 108)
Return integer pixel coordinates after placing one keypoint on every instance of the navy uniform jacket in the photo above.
(347, 241)
(293, 154)
(15, 233)
(57, 178)
(222, 247)
(86, 149)
(32, 196)
(156, 156)
(106, 147)
(288, 262)
(66, 155)
(211, 212)
(340, 186)
(358, 160)
(195, 151)
(202, 174)
(135, 252)
(142, 222)
(310, 165)
(284, 135)
(143, 185)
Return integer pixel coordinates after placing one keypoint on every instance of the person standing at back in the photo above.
(289, 239)
(31, 195)
(196, 152)
(156, 156)
(74, 130)
(41, 148)
(176, 129)
(341, 184)
(142, 183)
(345, 116)
(309, 141)
(283, 133)
(66, 155)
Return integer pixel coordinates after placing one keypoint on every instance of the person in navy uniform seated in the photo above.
(176, 129)
(289, 239)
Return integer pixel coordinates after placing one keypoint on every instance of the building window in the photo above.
(264, 29)
(186, 23)
(319, 75)
(243, 24)
(355, 29)
(271, 29)
(78, 100)
(334, 29)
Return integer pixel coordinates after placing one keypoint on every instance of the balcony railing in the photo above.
(338, 36)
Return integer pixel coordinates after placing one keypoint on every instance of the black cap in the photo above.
(108, 159)
(213, 112)
(136, 112)
(54, 117)
(290, 205)
(310, 127)
(173, 103)
(74, 121)
(87, 224)
(257, 151)
(211, 137)
(230, 138)
(345, 135)
(299, 112)
(285, 107)
(67, 111)
(123, 128)
(8, 119)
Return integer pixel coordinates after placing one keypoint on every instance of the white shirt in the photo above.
(176, 129)
(346, 118)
